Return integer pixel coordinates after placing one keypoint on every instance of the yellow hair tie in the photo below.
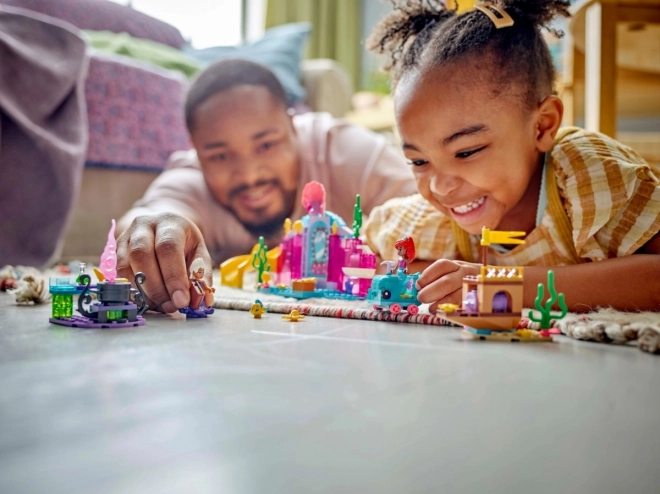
(498, 15)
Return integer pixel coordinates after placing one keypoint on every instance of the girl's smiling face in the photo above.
(476, 153)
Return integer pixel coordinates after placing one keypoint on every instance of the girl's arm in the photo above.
(625, 283)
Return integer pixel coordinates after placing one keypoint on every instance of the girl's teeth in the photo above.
(470, 206)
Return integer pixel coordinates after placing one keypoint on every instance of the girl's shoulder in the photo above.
(411, 216)
(602, 184)
(578, 151)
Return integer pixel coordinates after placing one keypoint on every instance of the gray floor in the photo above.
(237, 405)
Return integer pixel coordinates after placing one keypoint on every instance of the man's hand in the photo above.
(442, 282)
(162, 246)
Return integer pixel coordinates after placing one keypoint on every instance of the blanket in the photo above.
(43, 133)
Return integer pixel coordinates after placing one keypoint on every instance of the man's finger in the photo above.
(169, 246)
(142, 257)
(124, 269)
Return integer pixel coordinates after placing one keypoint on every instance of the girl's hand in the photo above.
(442, 282)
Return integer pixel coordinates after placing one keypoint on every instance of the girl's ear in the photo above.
(550, 114)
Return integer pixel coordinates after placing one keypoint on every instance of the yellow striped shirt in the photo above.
(608, 196)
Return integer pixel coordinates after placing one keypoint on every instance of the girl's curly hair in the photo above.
(427, 33)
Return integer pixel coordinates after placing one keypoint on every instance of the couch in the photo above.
(135, 115)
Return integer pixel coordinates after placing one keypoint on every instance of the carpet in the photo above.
(602, 326)
(235, 299)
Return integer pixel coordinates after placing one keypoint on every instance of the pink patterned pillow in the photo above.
(135, 115)
(103, 15)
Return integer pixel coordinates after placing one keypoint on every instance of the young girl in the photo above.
(479, 123)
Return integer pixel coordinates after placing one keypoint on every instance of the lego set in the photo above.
(111, 307)
(396, 290)
(112, 302)
(319, 256)
(492, 300)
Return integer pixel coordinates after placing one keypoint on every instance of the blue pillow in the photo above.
(281, 50)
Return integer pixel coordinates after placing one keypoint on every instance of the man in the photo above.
(244, 178)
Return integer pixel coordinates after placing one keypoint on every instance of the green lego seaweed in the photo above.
(260, 260)
(546, 314)
(357, 217)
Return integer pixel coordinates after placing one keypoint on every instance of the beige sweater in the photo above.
(346, 159)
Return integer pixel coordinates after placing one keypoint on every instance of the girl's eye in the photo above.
(467, 154)
(267, 145)
(417, 162)
(220, 157)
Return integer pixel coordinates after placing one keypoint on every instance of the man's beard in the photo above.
(268, 227)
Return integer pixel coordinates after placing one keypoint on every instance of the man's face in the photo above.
(248, 150)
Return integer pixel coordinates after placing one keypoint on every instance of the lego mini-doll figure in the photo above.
(405, 247)
(201, 296)
(200, 293)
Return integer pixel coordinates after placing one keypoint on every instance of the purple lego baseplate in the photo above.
(196, 313)
(85, 322)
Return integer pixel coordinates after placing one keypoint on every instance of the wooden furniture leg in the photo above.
(600, 73)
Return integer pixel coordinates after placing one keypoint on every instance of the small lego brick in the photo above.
(448, 308)
(260, 261)
(304, 285)
(257, 309)
(293, 316)
(546, 310)
(357, 217)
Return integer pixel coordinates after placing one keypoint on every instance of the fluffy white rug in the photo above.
(612, 326)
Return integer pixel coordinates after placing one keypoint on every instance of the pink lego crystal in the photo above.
(313, 198)
(108, 265)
